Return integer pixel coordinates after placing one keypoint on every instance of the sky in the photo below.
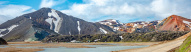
(98, 10)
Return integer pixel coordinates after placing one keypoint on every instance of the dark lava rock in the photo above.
(2, 42)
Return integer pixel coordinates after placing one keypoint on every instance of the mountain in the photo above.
(140, 26)
(175, 23)
(46, 21)
(115, 24)
(171, 23)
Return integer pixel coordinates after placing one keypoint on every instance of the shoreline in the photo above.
(12, 45)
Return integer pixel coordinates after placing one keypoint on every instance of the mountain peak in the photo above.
(175, 23)
(175, 16)
(45, 8)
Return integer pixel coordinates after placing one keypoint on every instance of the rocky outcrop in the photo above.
(2, 42)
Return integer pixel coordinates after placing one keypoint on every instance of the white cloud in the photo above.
(11, 11)
(165, 8)
(50, 3)
(129, 10)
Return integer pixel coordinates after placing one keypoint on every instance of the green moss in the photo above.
(185, 47)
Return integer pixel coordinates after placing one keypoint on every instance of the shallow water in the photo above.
(99, 48)
(96, 48)
(3, 46)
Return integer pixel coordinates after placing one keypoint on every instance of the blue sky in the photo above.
(97, 10)
(35, 3)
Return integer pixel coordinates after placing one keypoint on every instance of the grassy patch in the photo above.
(185, 47)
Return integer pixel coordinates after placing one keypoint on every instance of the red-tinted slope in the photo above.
(175, 23)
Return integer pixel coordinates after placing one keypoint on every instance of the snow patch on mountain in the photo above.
(79, 26)
(30, 18)
(111, 22)
(187, 22)
(49, 20)
(1, 30)
(159, 22)
(10, 29)
(56, 22)
(135, 25)
(115, 28)
(102, 30)
(70, 33)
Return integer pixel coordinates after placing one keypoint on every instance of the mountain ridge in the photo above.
(46, 21)
(142, 26)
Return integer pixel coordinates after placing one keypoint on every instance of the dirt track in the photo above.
(162, 47)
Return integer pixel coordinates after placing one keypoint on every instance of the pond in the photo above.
(95, 48)
(98, 48)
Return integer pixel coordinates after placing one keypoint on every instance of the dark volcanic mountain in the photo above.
(46, 21)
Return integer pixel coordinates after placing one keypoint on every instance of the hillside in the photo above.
(175, 23)
(171, 23)
(132, 27)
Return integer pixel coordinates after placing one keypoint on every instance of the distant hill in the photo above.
(171, 23)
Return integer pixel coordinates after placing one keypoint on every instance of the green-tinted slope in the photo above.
(186, 46)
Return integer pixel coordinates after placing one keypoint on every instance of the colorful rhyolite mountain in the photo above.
(175, 23)
(131, 27)
(172, 23)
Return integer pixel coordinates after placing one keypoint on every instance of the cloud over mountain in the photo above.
(129, 10)
(50, 3)
(11, 11)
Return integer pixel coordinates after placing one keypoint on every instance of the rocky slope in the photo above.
(47, 21)
(115, 24)
(175, 23)
(131, 27)
(2, 42)
(172, 23)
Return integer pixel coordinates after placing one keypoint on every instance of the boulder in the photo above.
(2, 42)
